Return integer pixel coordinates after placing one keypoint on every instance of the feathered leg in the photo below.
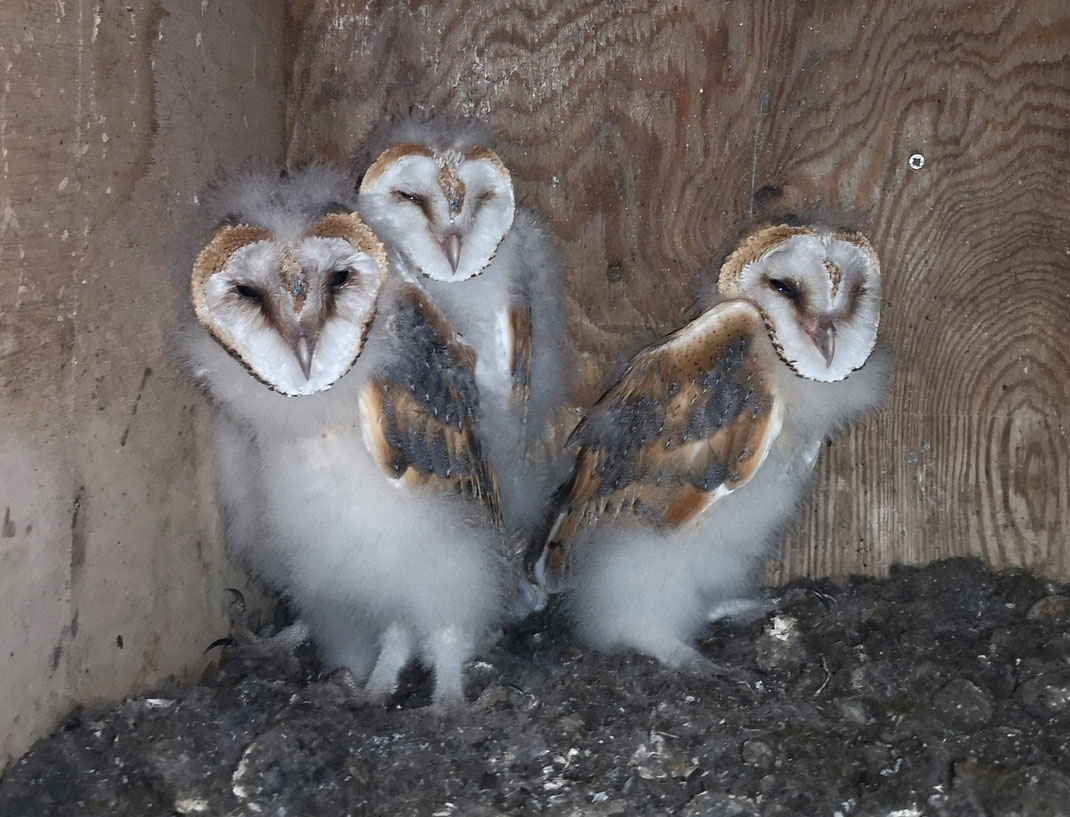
(394, 653)
(448, 649)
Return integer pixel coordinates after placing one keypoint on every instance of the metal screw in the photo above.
(916, 161)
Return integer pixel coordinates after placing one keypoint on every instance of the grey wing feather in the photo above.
(421, 409)
(690, 421)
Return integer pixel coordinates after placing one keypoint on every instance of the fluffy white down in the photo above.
(364, 553)
(311, 513)
(653, 591)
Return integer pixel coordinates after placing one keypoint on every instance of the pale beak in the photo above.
(823, 334)
(452, 247)
(304, 349)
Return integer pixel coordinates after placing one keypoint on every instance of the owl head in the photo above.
(819, 291)
(444, 209)
(288, 282)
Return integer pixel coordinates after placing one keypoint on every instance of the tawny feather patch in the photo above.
(421, 411)
(689, 422)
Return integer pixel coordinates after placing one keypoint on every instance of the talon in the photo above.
(247, 644)
(226, 641)
(344, 678)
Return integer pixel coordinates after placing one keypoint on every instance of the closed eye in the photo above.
(248, 292)
(413, 198)
(786, 288)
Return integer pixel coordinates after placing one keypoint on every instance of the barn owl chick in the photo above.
(444, 205)
(350, 472)
(691, 465)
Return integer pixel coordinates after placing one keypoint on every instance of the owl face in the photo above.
(819, 292)
(445, 211)
(293, 310)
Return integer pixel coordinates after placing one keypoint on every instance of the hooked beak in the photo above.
(452, 247)
(304, 348)
(823, 333)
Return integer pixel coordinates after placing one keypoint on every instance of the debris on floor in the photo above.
(941, 691)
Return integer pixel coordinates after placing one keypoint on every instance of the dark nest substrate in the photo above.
(944, 690)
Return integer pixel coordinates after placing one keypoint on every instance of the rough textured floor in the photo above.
(942, 691)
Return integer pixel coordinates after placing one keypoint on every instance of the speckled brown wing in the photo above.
(690, 421)
(421, 409)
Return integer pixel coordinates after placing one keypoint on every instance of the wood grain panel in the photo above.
(649, 132)
(112, 117)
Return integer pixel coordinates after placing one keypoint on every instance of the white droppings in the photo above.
(191, 805)
(782, 628)
(63, 184)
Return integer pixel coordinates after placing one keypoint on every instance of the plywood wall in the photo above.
(111, 116)
(646, 131)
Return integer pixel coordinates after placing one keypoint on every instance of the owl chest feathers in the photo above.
(477, 309)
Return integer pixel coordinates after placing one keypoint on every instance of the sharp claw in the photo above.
(237, 594)
(219, 642)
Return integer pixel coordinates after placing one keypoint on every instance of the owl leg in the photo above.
(448, 649)
(740, 610)
(672, 652)
(394, 653)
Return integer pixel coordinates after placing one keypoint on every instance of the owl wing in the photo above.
(690, 421)
(517, 333)
(421, 409)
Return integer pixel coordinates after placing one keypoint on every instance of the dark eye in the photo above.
(785, 288)
(246, 291)
(415, 198)
(339, 279)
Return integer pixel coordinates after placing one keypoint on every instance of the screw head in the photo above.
(916, 161)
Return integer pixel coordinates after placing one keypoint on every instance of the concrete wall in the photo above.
(112, 115)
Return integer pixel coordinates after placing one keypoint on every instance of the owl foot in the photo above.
(447, 650)
(676, 655)
(527, 598)
(395, 652)
(741, 611)
(247, 644)
(345, 680)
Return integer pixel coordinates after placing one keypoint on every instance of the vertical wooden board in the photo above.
(971, 456)
(646, 132)
(112, 116)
